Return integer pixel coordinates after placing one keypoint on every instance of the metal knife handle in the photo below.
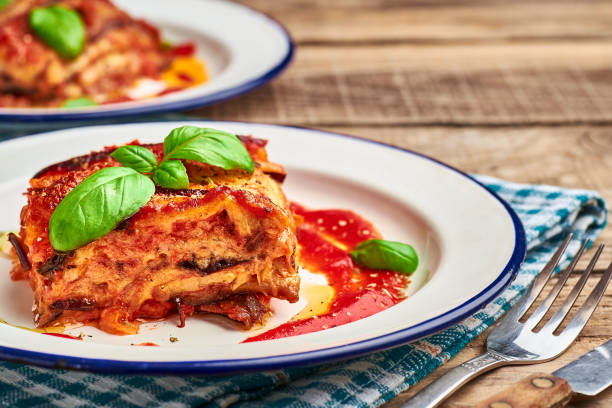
(436, 392)
(536, 391)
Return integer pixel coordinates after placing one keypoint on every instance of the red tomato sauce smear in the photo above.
(64, 336)
(325, 239)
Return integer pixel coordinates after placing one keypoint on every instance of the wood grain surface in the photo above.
(520, 90)
(482, 84)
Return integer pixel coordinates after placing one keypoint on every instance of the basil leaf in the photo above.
(95, 207)
(209, 146)
(4, 3)
(60, 28)
(138, 158)
(171, 174)
(389, 255)
(78, 103)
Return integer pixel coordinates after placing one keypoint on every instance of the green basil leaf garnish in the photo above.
(171, 174)
(138, 158)
(4, 3)
(209, 146)
(60, 28)
(389, 255)
(78, 103)
(95, 207)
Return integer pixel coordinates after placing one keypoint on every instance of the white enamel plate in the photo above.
(241, 47)
(469, 242)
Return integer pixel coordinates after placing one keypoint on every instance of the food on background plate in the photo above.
(78, 53)
(196, 224)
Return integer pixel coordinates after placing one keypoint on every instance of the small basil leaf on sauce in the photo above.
(4, 3)
(208, 146)
(138, 158)
(60, 28)
(97, 205)
(79, 103)
(171, 174)
(389, 255)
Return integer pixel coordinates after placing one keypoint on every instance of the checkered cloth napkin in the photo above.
(548, 214)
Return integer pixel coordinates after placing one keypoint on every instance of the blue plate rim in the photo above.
(326, 355)
(174, 106)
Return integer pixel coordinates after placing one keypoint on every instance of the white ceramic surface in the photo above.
(242, 49)
(469, 244)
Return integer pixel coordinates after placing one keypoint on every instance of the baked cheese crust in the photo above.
(224, 245)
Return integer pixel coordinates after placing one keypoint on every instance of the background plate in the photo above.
(241, 47)
(471, 245)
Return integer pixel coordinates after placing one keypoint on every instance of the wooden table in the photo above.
(519, 89)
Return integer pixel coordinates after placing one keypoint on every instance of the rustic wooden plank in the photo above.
(577, 157)
(561, 83)
(349, 21)
(595, 333)
(568, 156)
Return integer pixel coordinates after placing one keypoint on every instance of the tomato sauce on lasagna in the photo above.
(225, 245)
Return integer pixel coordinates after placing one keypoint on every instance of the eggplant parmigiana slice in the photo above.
(225, 245)
(118, 50)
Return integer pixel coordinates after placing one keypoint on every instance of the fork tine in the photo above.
(539, 313)
(560, 314)
(523, 305)
(586, 310)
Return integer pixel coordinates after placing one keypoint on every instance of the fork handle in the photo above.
(436, 392)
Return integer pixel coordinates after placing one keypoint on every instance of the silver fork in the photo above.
(515, 342)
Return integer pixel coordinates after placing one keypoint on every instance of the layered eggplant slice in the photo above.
(225, 245)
